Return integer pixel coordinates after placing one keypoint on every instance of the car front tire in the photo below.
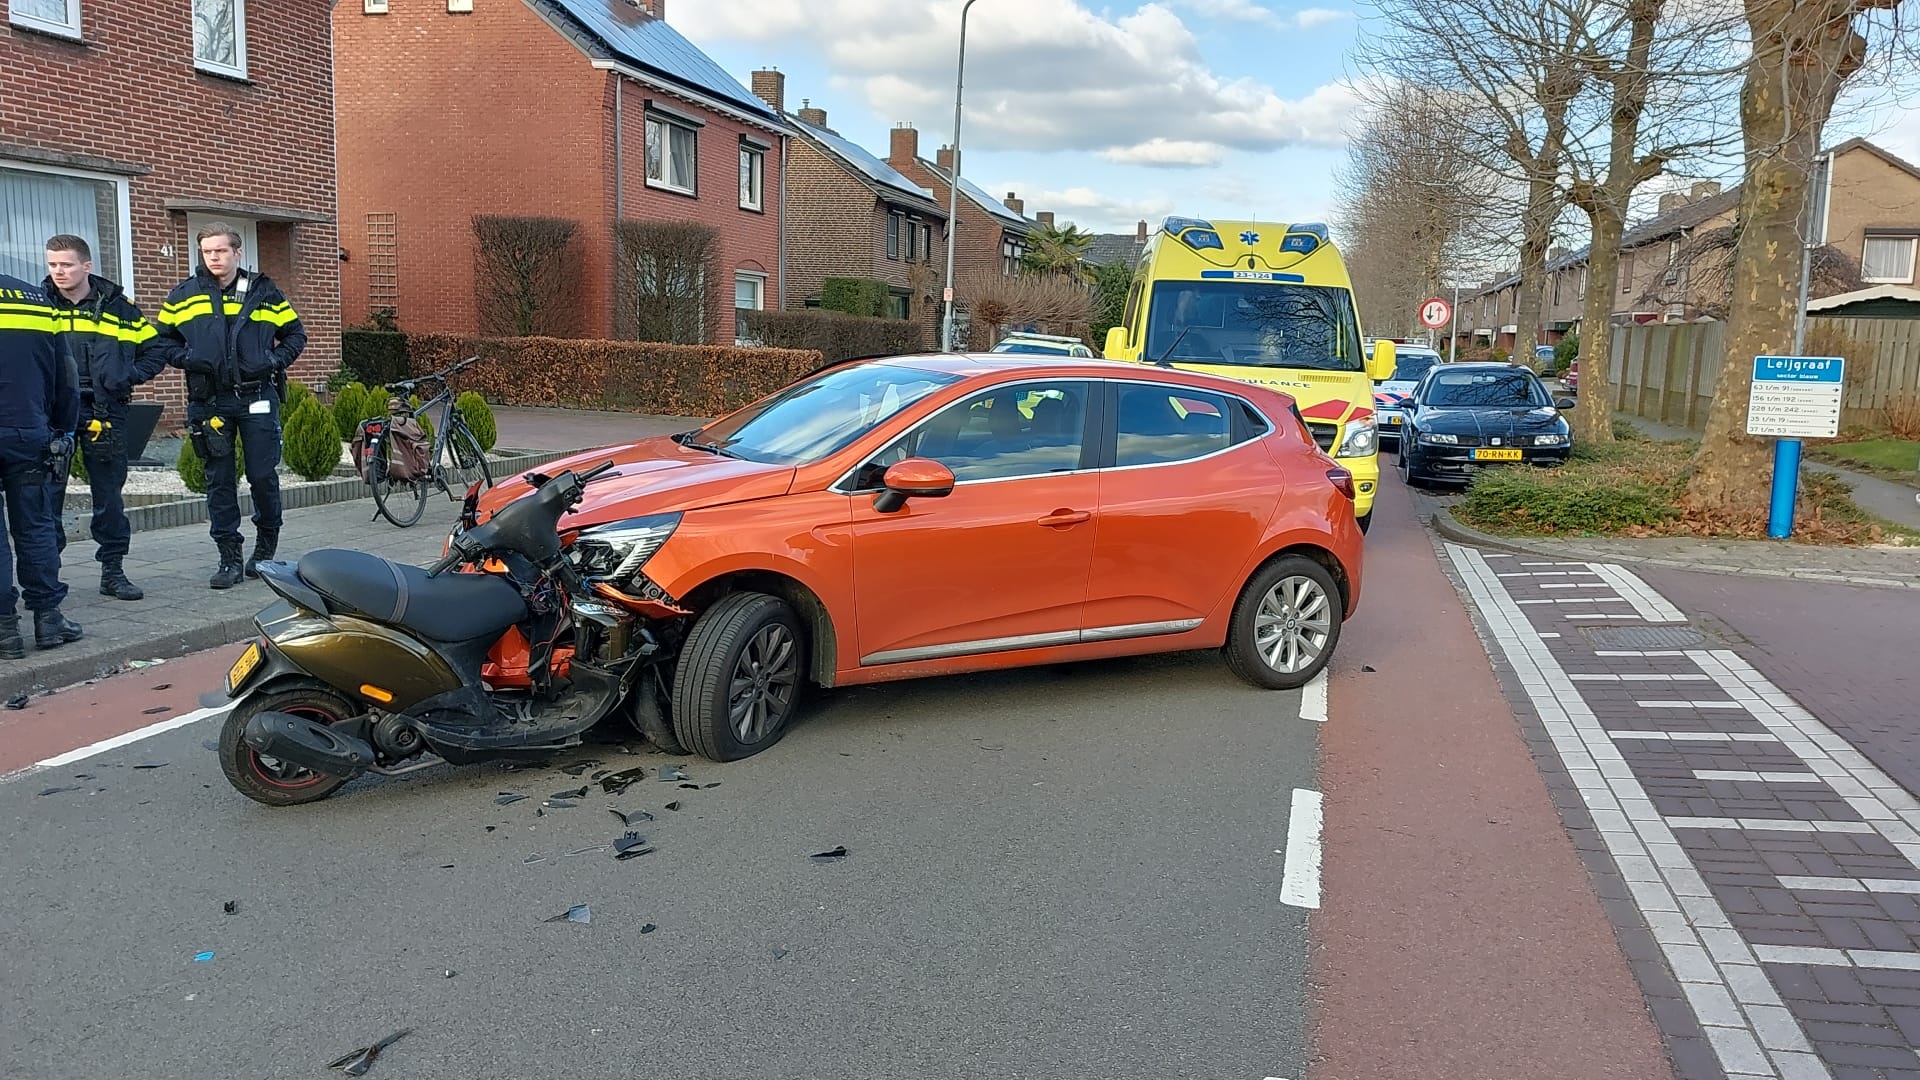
(737, 685)
(1285, 624)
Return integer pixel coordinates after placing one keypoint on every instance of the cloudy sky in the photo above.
(1104, 113)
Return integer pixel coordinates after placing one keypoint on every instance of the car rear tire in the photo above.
(1285, 624)
(738, 682)
(647, 712)
(1406, 468)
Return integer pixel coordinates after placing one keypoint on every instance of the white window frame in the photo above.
(239, 70)
(668, 126)
(68, 29)
(1913, 246)
(759, 282)
(373, 7)
(459, 7)
(758, 174)
(125, 224)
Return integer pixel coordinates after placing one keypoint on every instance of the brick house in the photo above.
(592, 111)
(993, 233)
(850, 215)
(132, 124)
(1872, 229)
(1125, 249)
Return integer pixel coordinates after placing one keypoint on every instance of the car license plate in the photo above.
(244, 666)
(1394, 420)
(1496, 455)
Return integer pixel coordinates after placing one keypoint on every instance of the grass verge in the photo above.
(1886, 458)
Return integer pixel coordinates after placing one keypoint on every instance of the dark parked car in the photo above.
(1462, 417)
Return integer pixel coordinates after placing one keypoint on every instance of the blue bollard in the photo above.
(1786, 484)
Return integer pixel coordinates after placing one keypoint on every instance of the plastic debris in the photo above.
(357, 1062)
(449, 973)
(534, 859)
(1366, 667)
(631, 846)
(151, 765)
(231, 907)
(575, 793)
(580, 767)
(715, 784)
(203, 958)
(648, 929)
(779, 954)
(839, 852)
(139, 664)
(507, 798)
(164, 686)
(598, 773)
(578, 913)
(673, 772)
(691, 787)
(560, 804)
(619, 782)
(628, 817)
(674, 806)
(65, 787)
(491, 828)
(18, 701)
(155, 711)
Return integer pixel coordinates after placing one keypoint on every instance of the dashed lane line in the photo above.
(1300, 877)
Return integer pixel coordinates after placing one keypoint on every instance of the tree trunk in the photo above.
(1802, 53)
(1543, 206)
(1593, 420)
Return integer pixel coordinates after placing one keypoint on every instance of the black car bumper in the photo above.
(1459, 463)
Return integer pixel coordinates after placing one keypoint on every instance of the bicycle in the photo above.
(455, 462)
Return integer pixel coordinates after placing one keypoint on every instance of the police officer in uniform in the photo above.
(39, 406)
(113, 346)
(235, 336)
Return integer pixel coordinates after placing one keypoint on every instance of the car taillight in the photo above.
(1342, 479)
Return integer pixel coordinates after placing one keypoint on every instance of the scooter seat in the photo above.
(450, 608)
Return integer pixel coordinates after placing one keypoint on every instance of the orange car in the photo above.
(928, 515)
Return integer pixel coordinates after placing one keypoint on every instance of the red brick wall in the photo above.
(446, 116)
(981, 233)
(832, 224)
(130, 94)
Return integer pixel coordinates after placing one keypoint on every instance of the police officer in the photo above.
(235, 336)
(39, 406)
(112, 344)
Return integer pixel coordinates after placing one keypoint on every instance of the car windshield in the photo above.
(1408, 366)
(819, 416)
(1495, 389)
(1030, 347)
(1254, 324)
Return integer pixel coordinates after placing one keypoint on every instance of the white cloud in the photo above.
(1313, 17)
(1041, 74)
(1254, 12)
(1096, 211)
(1168, 154)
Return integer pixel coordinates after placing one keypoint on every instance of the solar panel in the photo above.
(857, 156)
(639, 38)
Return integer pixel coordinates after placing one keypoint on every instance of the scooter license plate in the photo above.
(243, 667)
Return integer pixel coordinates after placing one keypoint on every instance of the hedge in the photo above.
(854, 296)
(376, 357)
(635, 376)
(834, 336)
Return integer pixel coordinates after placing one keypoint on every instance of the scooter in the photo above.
(369, 666)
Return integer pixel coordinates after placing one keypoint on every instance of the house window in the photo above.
(373, 7)
(460, 7)
(1673, 261)
(926, 241)
(1888, 260)
(37, 203)
(753, 163)
(51, 16)
(1626, 272)
(1556, 290)
(894, 224)
(914, 253)
(749, 291)
(672, 156)
(1012, 253)
(220, 36)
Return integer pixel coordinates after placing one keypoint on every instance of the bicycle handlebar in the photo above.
(409, 385)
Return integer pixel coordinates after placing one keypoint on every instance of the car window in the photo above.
(1466, 389)
(1161, 424)
(1408, 366)
(821, 415)
(1024, 429)
(1029, 347)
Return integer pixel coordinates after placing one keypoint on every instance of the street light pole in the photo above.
(953, 183)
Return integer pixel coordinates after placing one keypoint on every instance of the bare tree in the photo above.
(521, 285)
(1803, 53)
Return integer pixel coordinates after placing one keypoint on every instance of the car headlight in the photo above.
(616, 552)
(1549, 440)
(1358, 438)
(1439, 438)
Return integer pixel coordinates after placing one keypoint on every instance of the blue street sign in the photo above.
(1798, 369)
(1791, 398)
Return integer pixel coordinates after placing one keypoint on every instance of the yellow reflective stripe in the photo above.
(139, 332)
(280, 316)
(16, 320)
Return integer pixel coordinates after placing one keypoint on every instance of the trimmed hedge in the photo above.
(376, 357)
(308, 441)
(833, 335)
(635, 376)
(854, 296)
(479, 418)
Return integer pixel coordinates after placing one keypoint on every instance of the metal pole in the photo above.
(1786, 452)
(1453, 328)
(953, 183)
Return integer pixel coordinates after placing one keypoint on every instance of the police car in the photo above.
(1410, 363)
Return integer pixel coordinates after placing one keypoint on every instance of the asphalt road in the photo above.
(1065, 872)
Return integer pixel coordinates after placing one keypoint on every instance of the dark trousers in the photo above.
(106, 461)
(257, 436)
(30, 524)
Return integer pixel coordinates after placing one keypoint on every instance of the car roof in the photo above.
(1024, 335)
(1487, 365)
(1057, 366)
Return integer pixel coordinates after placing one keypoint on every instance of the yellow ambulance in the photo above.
(1264, 303)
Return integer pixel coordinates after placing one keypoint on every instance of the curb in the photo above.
(1448, 526)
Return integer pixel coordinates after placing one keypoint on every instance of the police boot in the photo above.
(231, 571)
(52, 629)
(12, 645)
(114, 583)
(264, 546)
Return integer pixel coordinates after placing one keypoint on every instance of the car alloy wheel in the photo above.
(764, 683)
(1294, 625)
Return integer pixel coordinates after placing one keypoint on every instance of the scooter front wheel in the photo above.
(269, 780)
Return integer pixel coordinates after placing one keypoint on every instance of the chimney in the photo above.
(810, 115)
(1045, 218)
(1014, 204)
(943, 157)
(1140, 233)
(1706, 189)
(1671, 201)
(657, 7)
(904, 146)
(770, 86)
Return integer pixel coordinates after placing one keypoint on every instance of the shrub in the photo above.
(1903, 417)
(1052, 305)
(854, 296)
(296, 393)
(309, 441)
(353, 404)
(479, 417)
(78, 472)
(193, 472)
(521, 283)
(834, 335)
(374, 357)
(426, 420)
(663, 288)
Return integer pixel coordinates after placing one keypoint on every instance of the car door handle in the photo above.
(1065, 517)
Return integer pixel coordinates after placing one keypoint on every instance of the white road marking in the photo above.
(1651, 605)
(1632, 652)
(1770, 824)
(1549, 635)
(1574, 585)
(1313, 698)
(1689, 704)
(1580, 600)
(1866, 958)
(1639, 678)
(129, 738)
(1758, 777)
(1300, 880)
(1551, 573)
(1847, 884)
(1598, 618)
(1697, 736)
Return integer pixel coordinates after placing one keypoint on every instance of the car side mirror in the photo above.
(1564, 403)
(1116, 342)
(914, 478)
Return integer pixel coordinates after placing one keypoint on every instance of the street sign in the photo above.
(946, 295)
(1435, 313)
(1796, 397)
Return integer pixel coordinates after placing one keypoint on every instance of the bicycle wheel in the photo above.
(466, 464)
(400, 501)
